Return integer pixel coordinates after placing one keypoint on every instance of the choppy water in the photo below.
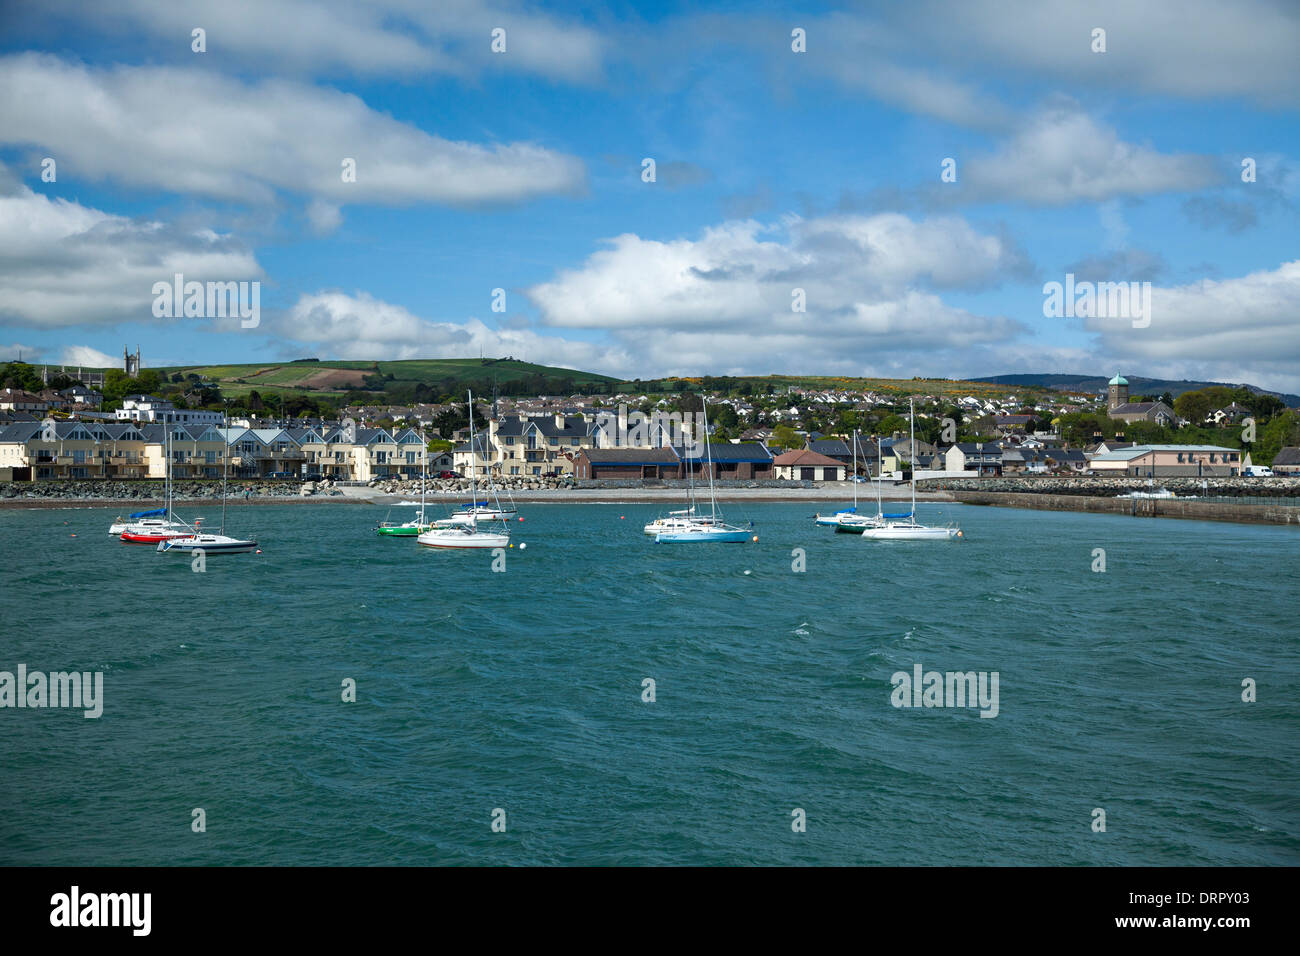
(522, 691)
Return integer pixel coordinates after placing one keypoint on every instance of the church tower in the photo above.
(131, 363)
(1117, 392)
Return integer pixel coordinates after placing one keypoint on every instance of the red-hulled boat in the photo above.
(154, 535)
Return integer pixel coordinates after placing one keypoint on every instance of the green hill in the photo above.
(335, 379)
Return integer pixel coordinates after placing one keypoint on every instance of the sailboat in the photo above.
(411, 528)
(856, 523)
(207, 542)
(905, 527)
(681, 520)
(156, 518)
(458, 534)
(153, 530)
(708, 527)
(836, 519)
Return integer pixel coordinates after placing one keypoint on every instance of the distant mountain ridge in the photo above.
(1137, 384)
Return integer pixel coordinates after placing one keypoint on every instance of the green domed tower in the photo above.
(1118, 393)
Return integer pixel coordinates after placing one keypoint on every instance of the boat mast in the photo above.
(225, 460)
(713, 500)
(473, 467)
(424, 472)
(911, 451)
(854, 477)
(880, 504)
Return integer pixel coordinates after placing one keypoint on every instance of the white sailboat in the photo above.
(414, 527)
(851, 522)
(906, 527)
(452, 533)
(151, 530)
(681, 520)
(708, 527)
(837, 519)
(208, 543)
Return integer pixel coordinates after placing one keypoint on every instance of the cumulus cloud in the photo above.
(12, 351)
(64, 264)
(376, 38)
(191, 131)
(1237, 328)
(1064, 156)
(87, 357)
(741, 275)
(360, 326)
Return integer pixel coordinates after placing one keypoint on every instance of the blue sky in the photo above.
(776, 170)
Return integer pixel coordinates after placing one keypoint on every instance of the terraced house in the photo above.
(540, 445)
(74, 449)
(31, 451)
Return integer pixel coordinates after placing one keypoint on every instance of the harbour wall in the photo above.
(1257, 511)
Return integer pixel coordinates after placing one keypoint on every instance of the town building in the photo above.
(1168, 461)
(1119, 407)
(1287, 461)
(807, 465)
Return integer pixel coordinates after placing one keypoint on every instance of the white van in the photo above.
(1258, 471)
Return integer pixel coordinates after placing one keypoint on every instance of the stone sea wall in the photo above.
(144, 489)
(1107, 487)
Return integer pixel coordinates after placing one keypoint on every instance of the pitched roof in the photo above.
(745, 451)
(805, 458)
(1287, 456)
(631, 456)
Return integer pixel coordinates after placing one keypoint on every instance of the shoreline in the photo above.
(364, 496)
(1184, 508)
(1190, 509)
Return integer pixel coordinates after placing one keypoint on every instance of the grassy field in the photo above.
(336, 378)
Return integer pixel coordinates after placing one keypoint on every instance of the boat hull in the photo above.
(911, 534)
(151, 537)
(210, 546)
(402, 531)
(466, 517)
(828, 520)
(695, 535)
(450, 538)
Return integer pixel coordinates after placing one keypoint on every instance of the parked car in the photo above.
(448, 474)
(280, 474)
(551, 474)
(1258, 471)
(313, 476)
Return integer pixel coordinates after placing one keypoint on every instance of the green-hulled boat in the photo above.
(411, 529)
(420, 524)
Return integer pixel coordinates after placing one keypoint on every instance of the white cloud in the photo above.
(64, 264)
(362, 327)
(191, 131)
(1188, 48)
(1063, 156)
(12, 351)
(740, 276)
(87, 357)
(1245, 328)
(379, 37)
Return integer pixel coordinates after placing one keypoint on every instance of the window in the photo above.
(554, 441)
